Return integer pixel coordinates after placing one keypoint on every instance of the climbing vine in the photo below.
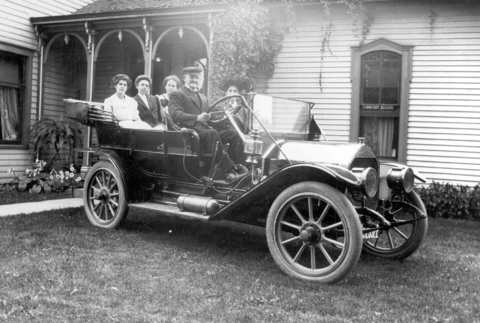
(244, 41)
(354, 9)
(433, 18)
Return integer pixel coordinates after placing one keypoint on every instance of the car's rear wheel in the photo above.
(104, 196)
(405, 236)
(313, 233)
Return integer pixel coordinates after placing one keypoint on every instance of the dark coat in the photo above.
(152, 116)
(184, 107)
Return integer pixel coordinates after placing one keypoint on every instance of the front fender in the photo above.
(259, 198)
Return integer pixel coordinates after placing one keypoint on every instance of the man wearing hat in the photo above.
(188, 108)
(149, 107)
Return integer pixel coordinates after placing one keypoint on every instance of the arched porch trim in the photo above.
(97, 50)
(52, 41)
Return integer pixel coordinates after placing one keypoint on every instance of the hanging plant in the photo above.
(244, 42)
(48, 132)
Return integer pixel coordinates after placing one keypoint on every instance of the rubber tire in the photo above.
(120, 214)
(348, 217)
(415, 240)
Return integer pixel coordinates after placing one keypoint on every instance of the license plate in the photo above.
(371, 235)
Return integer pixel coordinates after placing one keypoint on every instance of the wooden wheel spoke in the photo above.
(310, 210)
(290, 240)
(313, 261)
(325, 253)
(105, 210)
(98, 181)
(111, 210)
(113, 202)
(390, 240)
(334, 242)
(109, 180)
(299, 253)
(333, 226)
(376, 241)
(324, 213)
(297, 212)
(401, 233)
(112, 187)
(291, 225)
(95, 208)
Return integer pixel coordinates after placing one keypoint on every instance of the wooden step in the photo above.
(170, 210)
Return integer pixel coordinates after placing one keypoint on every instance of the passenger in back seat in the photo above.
(123, 107)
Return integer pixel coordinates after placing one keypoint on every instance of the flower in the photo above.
(71, 175)
(58, 176)
(51, 176)
(72, 169)
(78, 179)
(67, 174)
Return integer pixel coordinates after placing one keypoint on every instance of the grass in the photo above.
(56, 267)
(14, 196)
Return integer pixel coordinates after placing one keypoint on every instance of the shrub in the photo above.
(451, 201)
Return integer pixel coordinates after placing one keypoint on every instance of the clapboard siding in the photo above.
(444, 107)
(17, 30)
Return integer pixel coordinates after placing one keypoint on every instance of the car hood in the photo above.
(341, 154)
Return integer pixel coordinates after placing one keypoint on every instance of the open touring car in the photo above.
(320, 202)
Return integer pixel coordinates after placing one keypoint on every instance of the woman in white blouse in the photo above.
(123, 107)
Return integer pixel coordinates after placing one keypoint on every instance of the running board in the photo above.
(170, 210)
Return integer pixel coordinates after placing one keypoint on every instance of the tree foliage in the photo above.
(244, 41)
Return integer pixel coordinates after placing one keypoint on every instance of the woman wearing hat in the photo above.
(170, 83)
(123, 107)
(235, 86)
(148, 105)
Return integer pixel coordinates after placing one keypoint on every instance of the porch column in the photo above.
(89, 90)
(40, 50)
(148, 47)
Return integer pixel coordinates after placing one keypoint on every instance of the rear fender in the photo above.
(259, 198)
(129, 173)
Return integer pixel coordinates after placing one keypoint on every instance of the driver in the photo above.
(188, 108)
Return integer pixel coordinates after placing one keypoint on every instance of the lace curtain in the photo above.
(10, 123)
(379, 135)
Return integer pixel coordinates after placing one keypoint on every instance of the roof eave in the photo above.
(101, 16)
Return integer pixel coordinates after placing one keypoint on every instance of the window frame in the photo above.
(27, 100)
(356, 78)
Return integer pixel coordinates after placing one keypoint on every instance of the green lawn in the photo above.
(56, 267)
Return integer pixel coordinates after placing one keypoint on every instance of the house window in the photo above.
(12, 96)
(381, 75)
(380, 102)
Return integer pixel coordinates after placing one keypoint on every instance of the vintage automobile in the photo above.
(320, 202)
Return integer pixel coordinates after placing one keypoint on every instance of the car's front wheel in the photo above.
(104, 196)
(314, 233)
(405, 235)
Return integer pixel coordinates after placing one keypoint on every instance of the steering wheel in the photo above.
(233, 104)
